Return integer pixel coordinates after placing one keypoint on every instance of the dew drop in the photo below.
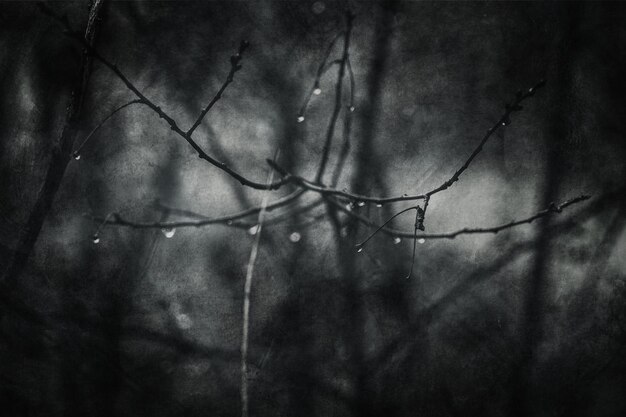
(76, 155)
(295, 237)
(253, 230)
(361, 203)
(168, 232)
(421, 241)
(95, 239)
(396, 240)
(300, 119)
(359, 250)
(317, 91)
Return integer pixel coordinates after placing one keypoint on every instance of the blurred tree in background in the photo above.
(123, 267)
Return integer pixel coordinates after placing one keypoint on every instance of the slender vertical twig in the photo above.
(245, 398)
(338, 97)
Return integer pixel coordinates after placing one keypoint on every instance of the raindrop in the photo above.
(300, 119)
(317, 91)
(421, 240)
(253, 230)
(359, 250)
(295, 237)
(95, 239)
(379, 205)
(168, 232)
(361, 203)
(396, 240)
(76, 155)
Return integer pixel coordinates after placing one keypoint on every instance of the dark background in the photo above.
(530, 321)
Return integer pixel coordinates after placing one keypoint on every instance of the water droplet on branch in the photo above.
(295, 237)
(95, 239)
(379, 205)
(359, 250)
(396, 240)
(421, 240)
(253, 230)
(300, 119)
(76, 155)
(361, 203)
(317, 91)
(168, 232)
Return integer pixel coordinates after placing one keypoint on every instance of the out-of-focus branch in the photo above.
(58, 161)
(245, 401)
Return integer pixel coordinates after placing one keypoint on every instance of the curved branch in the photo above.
(163, 115)
(76, 153)
(552, 209)
(118, 220)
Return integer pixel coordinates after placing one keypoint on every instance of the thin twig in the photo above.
(504, 120)
(338, 98)
(553, 209)
(118, 220)
(234, 67)
(76, 153)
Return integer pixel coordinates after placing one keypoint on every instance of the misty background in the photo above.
(529, 321)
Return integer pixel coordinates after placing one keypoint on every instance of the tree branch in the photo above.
(552, 209)
(234, 67)
(162, 114)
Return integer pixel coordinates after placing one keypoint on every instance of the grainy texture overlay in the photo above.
(312, 208)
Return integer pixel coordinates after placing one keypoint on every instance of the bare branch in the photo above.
(228, 220)
(245, 402)
(338, 97)
(552, 209)
(504, 120)
(76, 153)
(157, 109)
(234, 67)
